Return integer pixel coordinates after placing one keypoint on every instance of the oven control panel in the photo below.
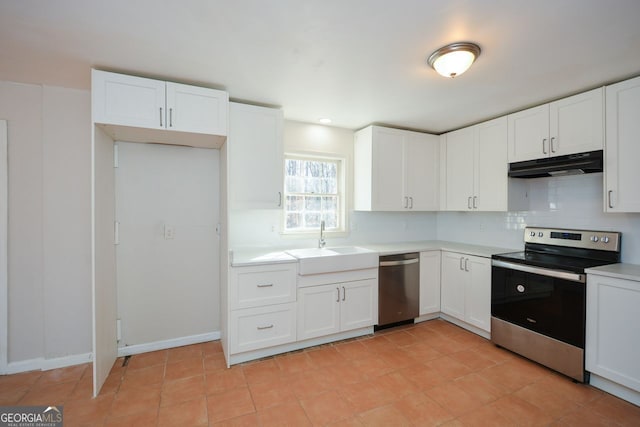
(588, 239)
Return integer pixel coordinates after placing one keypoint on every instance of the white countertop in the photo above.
(240, 258)
(618, 271)
(259, 257)
(436, 245)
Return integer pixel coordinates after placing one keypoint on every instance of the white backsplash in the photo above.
(259, 228)
(564, 202)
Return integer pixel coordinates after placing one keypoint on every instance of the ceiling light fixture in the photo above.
(325, 121)
(454, 59)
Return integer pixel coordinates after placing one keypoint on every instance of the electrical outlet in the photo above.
(168, 232)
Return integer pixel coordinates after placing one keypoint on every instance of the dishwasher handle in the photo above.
(399, 262)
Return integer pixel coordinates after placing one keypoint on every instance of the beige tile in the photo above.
(229, 404)
(290, 414)
(272, 393)
(190, 367)
(383, 417)
(185, 352)
(146, 360)
(192, 413)
(146, 418)
(421, 410)
(521, 412)
(225, 380)
(174, 392)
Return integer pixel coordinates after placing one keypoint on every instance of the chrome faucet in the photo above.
(321, 241)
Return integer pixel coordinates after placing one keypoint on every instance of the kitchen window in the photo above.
(314, 191)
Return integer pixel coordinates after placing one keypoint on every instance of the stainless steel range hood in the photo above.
(571, 164)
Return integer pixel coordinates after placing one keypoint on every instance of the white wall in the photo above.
(261, 228)
(167, 288)
(566, 202)
(49, 213)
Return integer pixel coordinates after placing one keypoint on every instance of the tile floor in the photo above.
(432, 373)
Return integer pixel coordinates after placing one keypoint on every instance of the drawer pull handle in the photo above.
(262, 328)
(266, 285)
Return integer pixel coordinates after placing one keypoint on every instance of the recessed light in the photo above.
(324, 121)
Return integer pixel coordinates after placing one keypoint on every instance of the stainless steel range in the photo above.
(538, 297)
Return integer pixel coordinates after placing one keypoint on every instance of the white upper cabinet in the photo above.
(196, 109)
(128, 101)
(491, 183)
(421, 154)
(622, 148)
(120, 100)
(476, 170)
(460, 149)
(567, 126)
(395, 170)
(256, 160)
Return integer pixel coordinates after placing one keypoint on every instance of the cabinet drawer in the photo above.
(256, 328)
(263, 285)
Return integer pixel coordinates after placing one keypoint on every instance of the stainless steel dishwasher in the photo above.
(398, 288)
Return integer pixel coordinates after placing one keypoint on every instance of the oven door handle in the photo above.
(565, 275)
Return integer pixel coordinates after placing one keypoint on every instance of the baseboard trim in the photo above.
(170, 343)
(42, 364)
(616, 389)
(465, 325)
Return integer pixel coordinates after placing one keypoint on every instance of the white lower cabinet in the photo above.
(262, 307)
(260, 327)
(612, 338)
(429, 282)
(466, 289)
(332, 308)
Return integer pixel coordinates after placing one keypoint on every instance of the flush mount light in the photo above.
(454, 59)
(324, 121)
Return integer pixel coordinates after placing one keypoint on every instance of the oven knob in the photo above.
(594, 239)
(604, 239)
(532, 234)
(540, 234)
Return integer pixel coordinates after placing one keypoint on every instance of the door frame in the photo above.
(4, 247)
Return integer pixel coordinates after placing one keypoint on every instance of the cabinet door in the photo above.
(196, 109)
(612, 346)
(429, 282)
(460, 160)
(529, 134)
(622, 150)
(318, 311)
(127, 100)
(387, 169)
(576, 123)
(478, 292)
(256, 162)
(453, 286)
(257, 286)
(359, 304)
(421, 157)
(491, 180)
(260, 327)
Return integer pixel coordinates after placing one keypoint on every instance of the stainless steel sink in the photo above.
(330, 260)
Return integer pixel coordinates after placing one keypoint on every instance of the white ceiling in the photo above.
(355, 61)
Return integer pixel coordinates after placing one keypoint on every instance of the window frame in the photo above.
(341, 193)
